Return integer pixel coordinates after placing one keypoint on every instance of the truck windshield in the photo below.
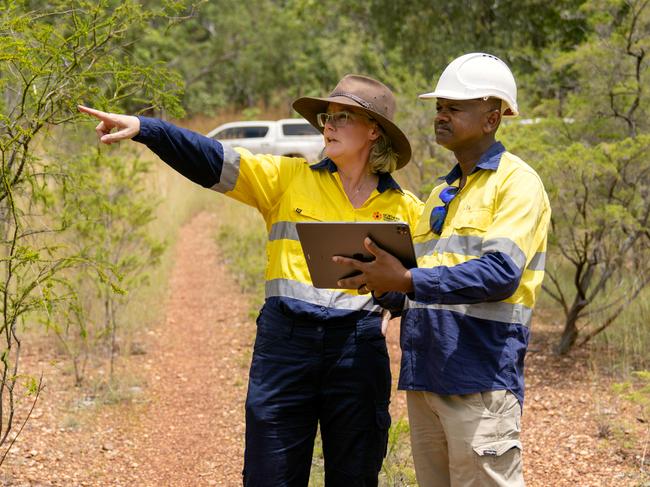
(299, 129)
(242, 133)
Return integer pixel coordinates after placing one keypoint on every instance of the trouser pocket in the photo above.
(499, 462)
(497, 450)
(270, 348)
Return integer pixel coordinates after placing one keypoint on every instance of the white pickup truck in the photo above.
(287, 137)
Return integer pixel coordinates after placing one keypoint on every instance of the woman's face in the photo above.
(349, 140)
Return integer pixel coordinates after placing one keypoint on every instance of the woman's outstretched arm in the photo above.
(257, 180)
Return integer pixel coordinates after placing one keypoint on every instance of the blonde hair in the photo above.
(382, 157)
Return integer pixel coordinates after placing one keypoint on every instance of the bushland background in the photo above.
(89, 235)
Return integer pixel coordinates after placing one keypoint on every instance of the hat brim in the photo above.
(310, 107)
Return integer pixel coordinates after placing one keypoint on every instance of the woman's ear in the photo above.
(374, 132)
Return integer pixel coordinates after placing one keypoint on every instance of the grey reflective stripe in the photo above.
(283, 230)
(328, 298)
(508, 247)
(538, 262)
(425, 248)
(499, 311)
(472, 246)
(457, 244)
(229, 170)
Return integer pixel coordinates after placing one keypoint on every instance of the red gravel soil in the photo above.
(183, 423)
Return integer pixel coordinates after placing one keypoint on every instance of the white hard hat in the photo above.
(478, 75)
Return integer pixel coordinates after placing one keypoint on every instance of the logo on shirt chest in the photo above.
(379, 216)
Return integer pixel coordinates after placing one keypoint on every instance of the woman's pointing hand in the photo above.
(127, 126)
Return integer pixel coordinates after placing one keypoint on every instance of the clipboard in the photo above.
(321, 241)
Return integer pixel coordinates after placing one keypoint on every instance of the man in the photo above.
(467, 308)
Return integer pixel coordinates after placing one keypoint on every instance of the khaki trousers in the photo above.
(469, 440)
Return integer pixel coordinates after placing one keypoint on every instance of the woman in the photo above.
(319, 355)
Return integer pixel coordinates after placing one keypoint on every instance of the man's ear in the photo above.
(492, 121)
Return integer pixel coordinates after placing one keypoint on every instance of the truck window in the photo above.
(299, 129)
(254, 132)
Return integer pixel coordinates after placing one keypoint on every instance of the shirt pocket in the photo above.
(473, 221)
(305, 210)
(466, 233)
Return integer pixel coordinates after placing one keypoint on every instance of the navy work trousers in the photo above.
(303, 373)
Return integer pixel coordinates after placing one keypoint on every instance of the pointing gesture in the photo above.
(385, 273)
(127, 126)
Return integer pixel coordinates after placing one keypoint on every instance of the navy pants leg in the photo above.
(303, 373)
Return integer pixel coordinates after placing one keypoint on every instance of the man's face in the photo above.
(459, 124)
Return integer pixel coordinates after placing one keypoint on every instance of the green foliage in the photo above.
(32, 385)
(398, 470)
(610, 70)
(637, 391)
(263, 51)
(416, 117)
(55, 55)
(73, 51)
(104, 198)
(108, 209)
(600, 219)
(237, 52)
(595, 167)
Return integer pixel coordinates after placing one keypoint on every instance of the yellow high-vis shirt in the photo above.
(285, 190)
(465, 328)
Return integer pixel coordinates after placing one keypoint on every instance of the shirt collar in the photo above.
(386, 181)
(489, 160)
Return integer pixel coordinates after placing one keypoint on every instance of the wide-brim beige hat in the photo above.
(369, 95)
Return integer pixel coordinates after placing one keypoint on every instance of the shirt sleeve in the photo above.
(491, 277)
(508, 245)
(256, 180)
(195, 156)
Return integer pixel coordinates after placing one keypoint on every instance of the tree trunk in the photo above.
(569, 336)
(570, 333)
(113, 338)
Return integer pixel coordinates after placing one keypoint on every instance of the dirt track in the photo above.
(195, 424)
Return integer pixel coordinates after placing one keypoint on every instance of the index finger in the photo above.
(357, 264)
(352, 282)
(95, 113)
(373, 248)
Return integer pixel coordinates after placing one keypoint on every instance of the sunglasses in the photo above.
(337, 119)
(439, 213)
